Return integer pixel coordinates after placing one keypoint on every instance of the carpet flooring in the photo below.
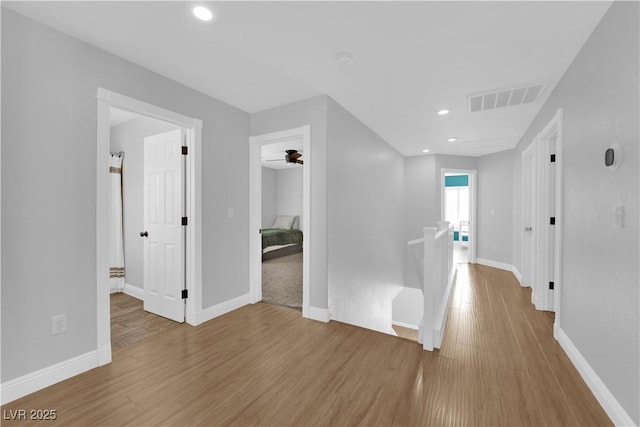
(282, 281)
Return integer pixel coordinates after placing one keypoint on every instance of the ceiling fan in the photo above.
(291, 156)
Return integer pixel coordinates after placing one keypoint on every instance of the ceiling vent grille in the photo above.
(505, 98)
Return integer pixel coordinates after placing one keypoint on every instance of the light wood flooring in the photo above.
(131, 324)
(265, 365)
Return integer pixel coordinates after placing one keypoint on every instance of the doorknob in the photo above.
(528, 228)
(144, 234)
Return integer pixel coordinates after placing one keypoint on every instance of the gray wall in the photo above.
(600, 292)
(495, 207)
(422, 205)
(290, 193)
(129, 137)
(269, 196)
(49, 83)
(311, 112)
(366, 221)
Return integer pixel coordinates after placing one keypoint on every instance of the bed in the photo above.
(282, 239)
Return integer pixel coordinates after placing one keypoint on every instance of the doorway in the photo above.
(275, 146)
(458, 206)
(542, 216)
(191, 201)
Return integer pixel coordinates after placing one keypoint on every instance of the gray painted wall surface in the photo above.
(600, 292)
(49, 83)
(269, 196)
(495, 207)
(290, 193)
(129, 137)
(366, 215)
(311, 112)
(422, 207)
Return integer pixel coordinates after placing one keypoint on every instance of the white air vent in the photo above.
(504, 98)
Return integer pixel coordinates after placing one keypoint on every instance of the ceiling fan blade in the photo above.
(300, 162)
(295, 156)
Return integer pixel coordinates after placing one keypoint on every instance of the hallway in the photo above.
(265, 365)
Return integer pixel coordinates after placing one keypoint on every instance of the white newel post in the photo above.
(429, 285)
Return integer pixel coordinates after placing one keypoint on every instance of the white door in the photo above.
(529, 208)
(163, 234)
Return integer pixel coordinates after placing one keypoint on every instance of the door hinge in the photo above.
(185, 150)
(260, 231)
(551, 285)
(185, 294)
(553, 158)
(185, 220)
(552, 220)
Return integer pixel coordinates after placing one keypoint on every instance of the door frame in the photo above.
(472, 173)
(529, 274)
(553, 130)
(255, 210)
(107, 99)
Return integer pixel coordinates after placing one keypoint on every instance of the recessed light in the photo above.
(452, 139)
(443, 112)
(202, 13)
(425, 151)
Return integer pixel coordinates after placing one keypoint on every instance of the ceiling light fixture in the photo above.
(443, 112)
(425, 151)
(452, 139)
(202, 13)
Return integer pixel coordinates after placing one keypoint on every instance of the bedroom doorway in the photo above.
(458, 206)
(280, 218)
(190, 131)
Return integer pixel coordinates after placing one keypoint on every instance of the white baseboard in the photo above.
(608, 402)
(222, 308)
(494, 264)
(315, 313)
(517, 273)
(406, 325)
(501, 266)
(30, 383)
(104, 354)
(134, 291)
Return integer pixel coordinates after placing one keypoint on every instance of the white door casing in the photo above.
(529, 215)
(164, 238)
(472, 205)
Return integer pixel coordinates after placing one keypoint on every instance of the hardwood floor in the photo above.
(130, 323)
(265, 365)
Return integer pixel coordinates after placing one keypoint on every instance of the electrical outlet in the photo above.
(58, 324)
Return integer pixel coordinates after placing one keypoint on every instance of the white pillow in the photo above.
(283, 221)
(296, 223)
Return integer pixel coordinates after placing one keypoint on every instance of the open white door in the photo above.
(163, 234)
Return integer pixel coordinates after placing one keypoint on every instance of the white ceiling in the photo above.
(411, 58)
(118, 116)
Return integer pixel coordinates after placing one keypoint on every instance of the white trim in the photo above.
(255, 210)
(495, 264)
(502, 266)
(517, 273)
(105, 100)
(611, 406)
(30, 383)
(473, 208)
(405, 325)
(223, 308)
(134, 291)
(315, 313)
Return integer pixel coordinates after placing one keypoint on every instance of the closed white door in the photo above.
(163, 234)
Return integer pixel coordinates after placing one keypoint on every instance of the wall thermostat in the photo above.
(613, 156)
